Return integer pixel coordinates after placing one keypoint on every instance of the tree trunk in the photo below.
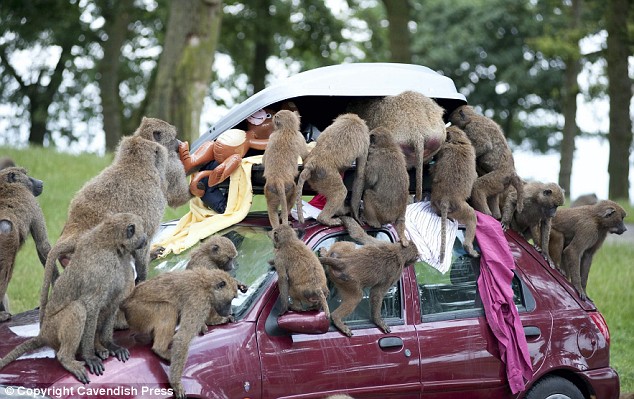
(570, 92)
(398, 16)
(620, 92)
(262, 45)
(184, 69)
(116, 27)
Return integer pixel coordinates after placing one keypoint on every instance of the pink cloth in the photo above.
(494, 284)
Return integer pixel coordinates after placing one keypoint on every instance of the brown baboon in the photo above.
(585, 199)
(495, 165)
(299, 273)
(578, 233)
(20, 215)
(386, 189)
(339, 248)
(165, 134)
(534, 221)
(414, 120)
(338, 146)
(134, 182)
(285, 145)
(376, 266)
(185, 298)
(6, 162)
(80, 314)
(453, 176)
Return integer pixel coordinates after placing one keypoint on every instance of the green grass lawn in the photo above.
(610, 285)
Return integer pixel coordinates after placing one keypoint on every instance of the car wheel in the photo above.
(554, 388)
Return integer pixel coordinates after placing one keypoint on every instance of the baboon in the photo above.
(453, 177)
(347, 139)
(159, 131)
(285, 145)
(534, 221)
(185, 298)
(216, 252)
(494, 160)
(578, 233)
(415, 121)
(376, 266)
(80, 314)
(134, 182)
(299, 273)
(6, 162)
(20, 215)
(386, 189)
(585, 199)
(339, 248)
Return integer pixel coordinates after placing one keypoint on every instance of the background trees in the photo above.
(85, 76)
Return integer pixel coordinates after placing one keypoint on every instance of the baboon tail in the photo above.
(50, 274)
(357, 232)
(443, 229)
(281, 190)
(516, 181)
(305, 175)
(24, 347)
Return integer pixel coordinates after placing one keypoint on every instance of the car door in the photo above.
(370, 364)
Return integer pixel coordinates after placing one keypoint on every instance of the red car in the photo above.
(440, 345)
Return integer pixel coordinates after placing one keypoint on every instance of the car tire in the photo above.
(554, 388)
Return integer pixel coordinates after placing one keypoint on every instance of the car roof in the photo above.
(344, 80)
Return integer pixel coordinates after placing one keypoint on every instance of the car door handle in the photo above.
(390, 342)
(532, 332)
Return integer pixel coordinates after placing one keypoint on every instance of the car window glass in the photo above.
(255, 249)
(391, 307)
(454, 294)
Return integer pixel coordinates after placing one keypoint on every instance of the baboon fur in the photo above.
(216, 252)
(495, 165)
(386, 189)
(185, 298)
(285, 145)
(578, 233)
(453, 176)
(534, 221)
(345, 141)
(414, 120)
(6, 162)
(299, 273)
(161, 132)
(135, 183)
(20, 215)
(585, 199)
(376, 266)
(80, 314)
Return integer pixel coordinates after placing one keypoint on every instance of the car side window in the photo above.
(391, 309)
(454, 294)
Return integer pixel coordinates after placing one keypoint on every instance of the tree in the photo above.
(620, 92)
(184, 70)
(398, 15)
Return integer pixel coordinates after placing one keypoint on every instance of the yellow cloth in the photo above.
(201, 222)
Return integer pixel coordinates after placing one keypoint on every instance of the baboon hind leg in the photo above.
(69, 324)
(350, 298)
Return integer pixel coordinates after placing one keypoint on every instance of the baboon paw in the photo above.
(122, 354)
(4, 316)
(95, 365)
(102, 353)
(81, 375)
(404, 242)
(384, 327)
(243, 288)
(156, 252)
(179, 391)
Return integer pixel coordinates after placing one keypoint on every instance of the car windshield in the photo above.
(251, 265)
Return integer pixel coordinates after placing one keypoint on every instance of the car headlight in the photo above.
(15, 392)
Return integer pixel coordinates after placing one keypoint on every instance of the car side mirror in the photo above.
(309, 322)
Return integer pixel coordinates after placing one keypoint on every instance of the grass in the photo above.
(610, 285)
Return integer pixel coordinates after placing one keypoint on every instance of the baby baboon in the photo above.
(495, 165)
(299, 273)
(80, 314)
(185, 298)
(338, 146)
(285, 145)
(377, 267)
(414, 120)
(20, 215)
(585, 199)
(578, 233)
(6, 162)
(386, 189)
(533, 222)
(134, 182)
(159, 131)
(453, 176)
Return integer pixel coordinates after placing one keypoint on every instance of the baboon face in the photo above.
(380, 138)
(222, 251)
(159, 131)
(611, 215)
(282, 234)
(225, 289)
(286, 120)
(552, 196)
(129, 231)
(460, 116)
(17, 175)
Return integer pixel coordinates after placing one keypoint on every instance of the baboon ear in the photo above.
(157, 135)
(215, 248)
(372, 139)
(548, 192)
(129, 233)
(462, 115)
(221, 285)
(11, 177)
(608, 212)
(275, 236)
